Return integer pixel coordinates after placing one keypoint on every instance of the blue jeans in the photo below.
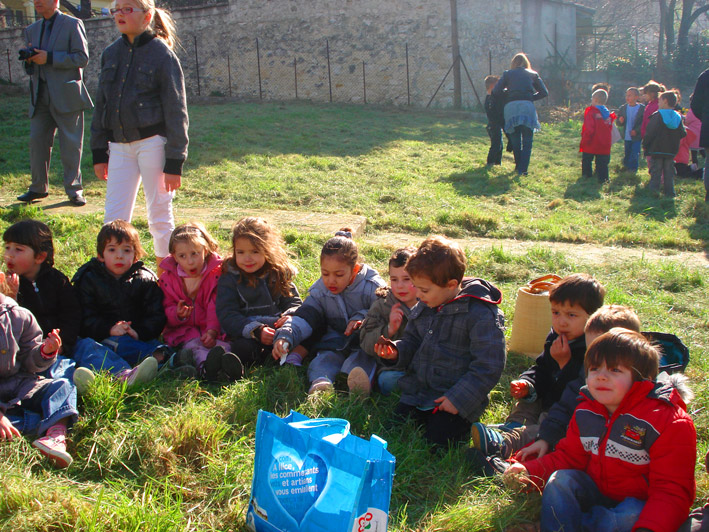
(389, 380)
(632, 155)
(572, 502)
(327, 364)
(114, 354)
(56, 400)
(522, 139)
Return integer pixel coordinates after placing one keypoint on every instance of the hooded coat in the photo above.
(663, 134)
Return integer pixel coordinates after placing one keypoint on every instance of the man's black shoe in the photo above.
(31, 196)
(78, 200)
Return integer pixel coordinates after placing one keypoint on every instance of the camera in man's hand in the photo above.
(26, 53)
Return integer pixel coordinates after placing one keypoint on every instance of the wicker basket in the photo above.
(532, 319)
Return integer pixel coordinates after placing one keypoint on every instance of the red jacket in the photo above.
(596, 132)
(650, 108)
(647, 450)
(204, 310)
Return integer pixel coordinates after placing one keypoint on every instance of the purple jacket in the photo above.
(204, 306)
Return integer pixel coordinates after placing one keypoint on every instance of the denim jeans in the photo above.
(522, 139)
(494, 154)
(602, 162)
(389, 380)
(572, 502)
(662, 170)
(327, 364)
(54, 401)
(632, 155)
(114, 355)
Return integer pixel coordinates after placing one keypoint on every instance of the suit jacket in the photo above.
(69, 56)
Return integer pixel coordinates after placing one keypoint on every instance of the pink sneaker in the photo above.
(144, 372)
(53, 446)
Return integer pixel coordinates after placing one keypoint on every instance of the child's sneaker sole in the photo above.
(232, 366)
(144, 372)
(213, 363)
(320, 385)
(48, 447)
(83, 379)
(358, 381)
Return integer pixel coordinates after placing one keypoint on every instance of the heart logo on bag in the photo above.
(296, 483)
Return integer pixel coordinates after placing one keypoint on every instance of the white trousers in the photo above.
(128, 165)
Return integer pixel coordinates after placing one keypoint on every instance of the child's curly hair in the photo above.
(278, 268)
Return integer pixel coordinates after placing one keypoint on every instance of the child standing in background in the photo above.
(651, 93)
(256, 291)
(630, 117)
(661, 142)
(338, 300)
(121, 305)
(189, 283)
(596, 137)
(28, 401)
(495, 110)
(141, 118)
(388, 317)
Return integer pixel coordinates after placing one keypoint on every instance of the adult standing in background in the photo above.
(521, 86)
(700, 108)
(58, 98)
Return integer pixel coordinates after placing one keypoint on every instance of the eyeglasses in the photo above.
(125, 10)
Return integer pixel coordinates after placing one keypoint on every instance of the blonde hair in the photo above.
(161, 24)
(4, 285)
(193, 233)
(278, 269)
(520, 60)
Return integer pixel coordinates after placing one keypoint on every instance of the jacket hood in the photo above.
(480, 289)
(605, 113)
(170, 264)
(671, 118)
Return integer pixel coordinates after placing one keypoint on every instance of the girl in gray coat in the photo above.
(338, 300)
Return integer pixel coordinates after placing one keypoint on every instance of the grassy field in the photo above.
(179, 455)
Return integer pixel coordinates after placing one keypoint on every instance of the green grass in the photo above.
(179, 455)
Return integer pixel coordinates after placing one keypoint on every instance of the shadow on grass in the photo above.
(700, 228)
(481, 181)
(647, 203)
(584, 189)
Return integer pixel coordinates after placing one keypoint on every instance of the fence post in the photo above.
(9, 65)
(196, 60)
(364, 83)
(489, 61)
(258, 65)
(295, 76)
(329, 78)
(408, 89)
(228, 67)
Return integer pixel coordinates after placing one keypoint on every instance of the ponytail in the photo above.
(163, 27)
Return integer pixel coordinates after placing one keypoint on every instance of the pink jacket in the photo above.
(650, 108)
(204, 311)
(692, 123)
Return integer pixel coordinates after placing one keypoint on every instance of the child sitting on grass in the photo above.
(453, 348)
(28, 401)
(573, 300)
(627, 462)
(338, 300)
(596, 137)
(388, 317)
(122, 312)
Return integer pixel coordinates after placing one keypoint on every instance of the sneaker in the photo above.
(83, 379)
(213, 363)
(54, 446)
(180, 372)
(161, 354)
(184, 357)
(144, 372)
(489, 441)
(358, 381)
(232, 366)
(507, 426)
(322, 384)
(487, 466)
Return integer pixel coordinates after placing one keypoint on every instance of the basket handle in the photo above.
(543, 283)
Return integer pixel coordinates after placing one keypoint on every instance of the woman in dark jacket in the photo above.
(521, 86)
(700, 108)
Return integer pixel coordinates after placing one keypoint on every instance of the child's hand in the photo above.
(280, 348)
(632, 132)
(519, 389)
(517, 477)
(445, 405)
(120, 328)
(209, 338)
(52, 343)
(538, 449)
(396, 316)
(101, 171)
(183, 310)
(7, 429)
(560, 351)
(621, 119)
(353, 326)
(13, 283)
(279, 322)
(386, 349)
(131, 332)
(267, 334)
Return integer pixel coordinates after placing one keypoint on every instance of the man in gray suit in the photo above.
(58, 98)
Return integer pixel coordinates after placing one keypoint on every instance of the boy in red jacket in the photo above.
(596, 137)
(627, 461)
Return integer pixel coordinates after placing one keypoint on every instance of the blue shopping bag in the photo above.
(312, 475)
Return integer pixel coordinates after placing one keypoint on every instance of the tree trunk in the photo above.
(660, 63)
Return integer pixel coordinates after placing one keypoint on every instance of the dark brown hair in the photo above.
(490, 81)
(609, 316)
(121, 231)
(670, 98)
(342, 247)
(401, 256)
(623, 347)
(578, 289)
(438, 259)
(33, 234)
(193, 233)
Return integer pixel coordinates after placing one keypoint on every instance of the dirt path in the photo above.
(329, 223)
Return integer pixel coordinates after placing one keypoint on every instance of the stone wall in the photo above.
(293, 41)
